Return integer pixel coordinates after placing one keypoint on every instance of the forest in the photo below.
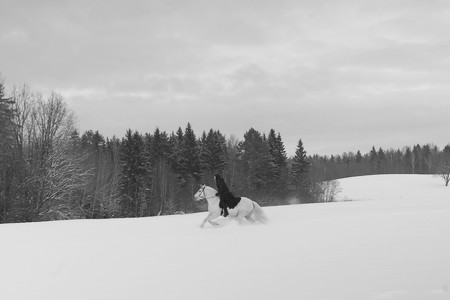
(51, 171)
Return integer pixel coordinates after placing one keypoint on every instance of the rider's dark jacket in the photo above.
(227, 199)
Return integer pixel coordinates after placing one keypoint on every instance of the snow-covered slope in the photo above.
(395, 245)
(393, 187)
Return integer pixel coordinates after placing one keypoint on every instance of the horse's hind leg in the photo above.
(213, 223)
(250, 219)
(240, 218)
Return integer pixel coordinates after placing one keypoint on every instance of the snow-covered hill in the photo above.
(395, 244)
(393, 187)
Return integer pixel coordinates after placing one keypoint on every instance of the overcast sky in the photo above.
(340, 75)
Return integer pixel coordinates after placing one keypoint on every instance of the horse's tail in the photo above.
(259, 214)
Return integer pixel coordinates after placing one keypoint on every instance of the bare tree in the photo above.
(54, 174)
(444, 168)
(62, 178)
(23, 106)
(445, 174)
(329, 190)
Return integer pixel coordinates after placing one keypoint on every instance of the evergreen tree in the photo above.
(234, 172)
(6, 123)
(93, 145)
(407, 161)
(133, 171)
(190, 153)
(6, 152)
(110, 207)
(220, 155)
(177, 158)
(164, 180)
(255, 157)
(398, 162)
(427, 159)
(160, 147)
(278, 162)
(187, 165)
(417, 159)
(300, 168)
(381, 163)
(358, 157)
(373, 159)
(213, 155)
(204, 153)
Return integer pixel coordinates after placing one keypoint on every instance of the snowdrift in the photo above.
(392, 244)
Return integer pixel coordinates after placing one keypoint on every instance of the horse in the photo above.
(246, 208)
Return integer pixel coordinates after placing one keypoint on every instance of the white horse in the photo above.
(246, 208)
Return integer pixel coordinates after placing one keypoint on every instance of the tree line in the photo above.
(416, 159)
(49, 170)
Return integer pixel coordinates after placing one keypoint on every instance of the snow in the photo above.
(394, 243)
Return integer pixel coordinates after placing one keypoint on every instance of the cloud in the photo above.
(14, 36)
(337, 74)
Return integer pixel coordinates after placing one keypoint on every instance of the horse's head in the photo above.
(205, 193)
(200, 195)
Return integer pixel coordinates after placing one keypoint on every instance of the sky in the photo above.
(340, 75)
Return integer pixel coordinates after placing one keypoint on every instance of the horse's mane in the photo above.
(210, 187)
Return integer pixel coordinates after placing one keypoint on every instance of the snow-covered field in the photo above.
(393, 244)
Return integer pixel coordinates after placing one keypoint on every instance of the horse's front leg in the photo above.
(204, 221)
(211, 216)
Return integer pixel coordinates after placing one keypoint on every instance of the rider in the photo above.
(227, 199)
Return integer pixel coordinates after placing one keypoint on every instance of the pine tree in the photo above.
(234, 171)
(177, 160)
(254, 153)
(427, 159)
(373, 160)
(204, 153)
(278, 162)
(300, 168)
(159, 147)
(381, 161)
(398, 161)
(164, 180)
(213, 155)
(187, 165)
(133, 172)
(190, 153)
(6, 152)
(220, 155)
(358, 157)
(408, 161)
(6, 122)
(93, 145)
(111, 205)
(273, 174)
(417, 159)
